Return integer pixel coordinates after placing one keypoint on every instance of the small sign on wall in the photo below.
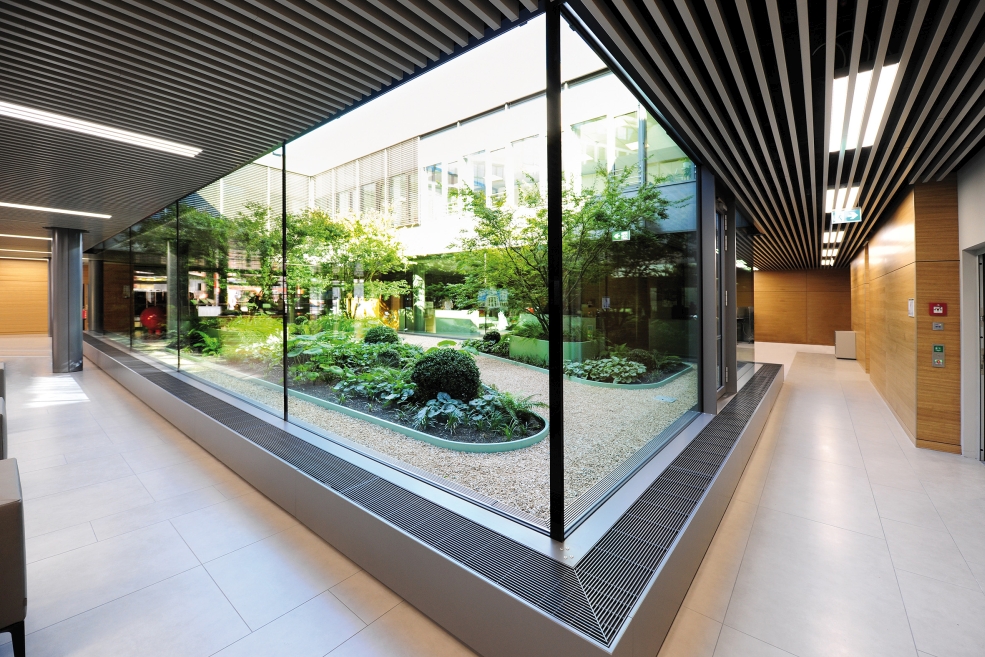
(938, 309)
(911, 307)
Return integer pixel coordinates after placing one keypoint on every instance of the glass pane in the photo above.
(630, 286)
(156, 287)
(430, 261)
(233, 317)
(112, 314)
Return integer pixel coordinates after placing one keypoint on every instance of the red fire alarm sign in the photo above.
(938, 309)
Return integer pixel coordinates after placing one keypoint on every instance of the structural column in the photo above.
(65, 299)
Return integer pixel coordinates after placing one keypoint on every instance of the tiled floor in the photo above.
(842, 538)
(141, 543)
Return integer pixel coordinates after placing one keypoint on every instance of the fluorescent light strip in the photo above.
(18, 206)
(829, 199)
(834, 237)
(95, 129)
(16, 258)
(25, 237)
(24, 251)
(839, 103)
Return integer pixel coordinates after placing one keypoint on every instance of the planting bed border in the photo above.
(458, 446)
(600, 384)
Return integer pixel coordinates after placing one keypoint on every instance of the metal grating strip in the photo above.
(597, 595)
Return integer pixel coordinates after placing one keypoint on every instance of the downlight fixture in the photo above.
(839, 104)
(95, 129)
(77, 213)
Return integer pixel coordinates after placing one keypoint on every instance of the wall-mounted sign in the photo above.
(911, 307)
(938, 355)
(938, 309)
(605, 303)
(852, 216)
(620, 236)
(938, 326)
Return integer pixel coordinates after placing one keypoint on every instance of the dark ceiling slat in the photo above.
(830, 35)
(438, 20)
(806, 80)
(413, 22)
(965, 126)
(426, 41)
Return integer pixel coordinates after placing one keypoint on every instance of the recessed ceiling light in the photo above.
(16, 258)
(95, 129)
(25, 237)
(839, 103)
(834, 237)
(24, 251)
(829, 198)
(18, 206)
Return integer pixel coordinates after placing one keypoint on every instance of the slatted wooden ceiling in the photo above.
(232, 77)
(749, 83)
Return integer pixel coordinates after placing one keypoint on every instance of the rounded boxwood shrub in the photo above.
(643, 357)
(379, 334)
(446, 370)
(491, 336)
(389, 357)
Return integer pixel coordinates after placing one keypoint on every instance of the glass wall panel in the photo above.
(409, 291)
(111, 310)
(233, 299)
(630, 283)
(157, 283)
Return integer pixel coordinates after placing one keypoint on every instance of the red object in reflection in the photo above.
(938, 309)
(153, 318)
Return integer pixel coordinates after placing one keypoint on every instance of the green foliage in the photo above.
(494, 412)
(500, 348)
(204, 343)
(444, 344)
(608, 370)
(446, 370)
(529, 330)
(667, 363)
(380, 334)
(491, 336)
(388, 386)
(643, 357)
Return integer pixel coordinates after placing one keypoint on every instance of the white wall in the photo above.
(971, 240)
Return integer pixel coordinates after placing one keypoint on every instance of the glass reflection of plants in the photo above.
(508, 248)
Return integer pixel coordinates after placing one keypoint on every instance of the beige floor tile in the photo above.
(73, 475)
(53, 512)
(181, 478)
(183, 615)
(403, 632)
(154, 512)
(945, 619)
(310, 630)
(733, 643)
(911, 507)
(365, 596)
(711, 588)
(68, 584)
(816, 590)
(226, 526)
(31, 465)
(57, 542)
(691, 635)
(270, 577)
(162, 455)
(62, 445)
(927, 552)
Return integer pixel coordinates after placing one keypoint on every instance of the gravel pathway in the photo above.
(603, 427)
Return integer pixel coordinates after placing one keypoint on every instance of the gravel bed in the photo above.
(603, 427)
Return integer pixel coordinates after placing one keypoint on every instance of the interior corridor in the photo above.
(841, 539)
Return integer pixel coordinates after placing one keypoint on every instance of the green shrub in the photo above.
(528, 330)
(390, 358)
(491, 336)
(446, 370)
(379, 334)
(606, 370)
(643, 357)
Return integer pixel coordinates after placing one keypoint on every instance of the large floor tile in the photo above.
(76, 581)
(365, 596)
(911, 507)
(711, 588)
(733, 643)
(691, 635)
(832, 446)
(59, 541)
(220, 528)
(154, 512)
(162, 455)
(53, 512)
(946, 619)
(834, 494)
(310, 630)
(270, 577)
(37, 449)
(183, 615)
(181, 478)
(73, 475)
(817, 590)
(403, 632)
(927, 552)
(30, 465)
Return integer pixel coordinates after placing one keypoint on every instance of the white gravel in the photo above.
(603, 427)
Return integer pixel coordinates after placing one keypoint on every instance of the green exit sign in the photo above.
(938, 349)
(620, 236)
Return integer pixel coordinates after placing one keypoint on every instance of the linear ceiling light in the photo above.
(834, 237)
(95, 129)
(829, 198)
(839, 103)
(25, 237)
(25, 251)
(18, 206)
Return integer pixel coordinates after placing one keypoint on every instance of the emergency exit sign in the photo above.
(938, 309)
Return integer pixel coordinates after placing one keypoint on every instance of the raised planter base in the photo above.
(538, 349)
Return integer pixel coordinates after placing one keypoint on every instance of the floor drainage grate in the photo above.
(596, 596)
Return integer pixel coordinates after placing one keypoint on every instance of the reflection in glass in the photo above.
(156, 286)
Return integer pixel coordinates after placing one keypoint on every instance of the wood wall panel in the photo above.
(794, 280)
(900, 346)
(860, 293)
(893, 246)
(23, 296)
(802, 306)
(938, 389)
(781, 316)
(117, 282)
(936, 233)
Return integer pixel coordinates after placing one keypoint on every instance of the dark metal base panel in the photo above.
(499, 596)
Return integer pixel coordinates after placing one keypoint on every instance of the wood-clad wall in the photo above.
(913, 256)
(23, 296)
(802, 306)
